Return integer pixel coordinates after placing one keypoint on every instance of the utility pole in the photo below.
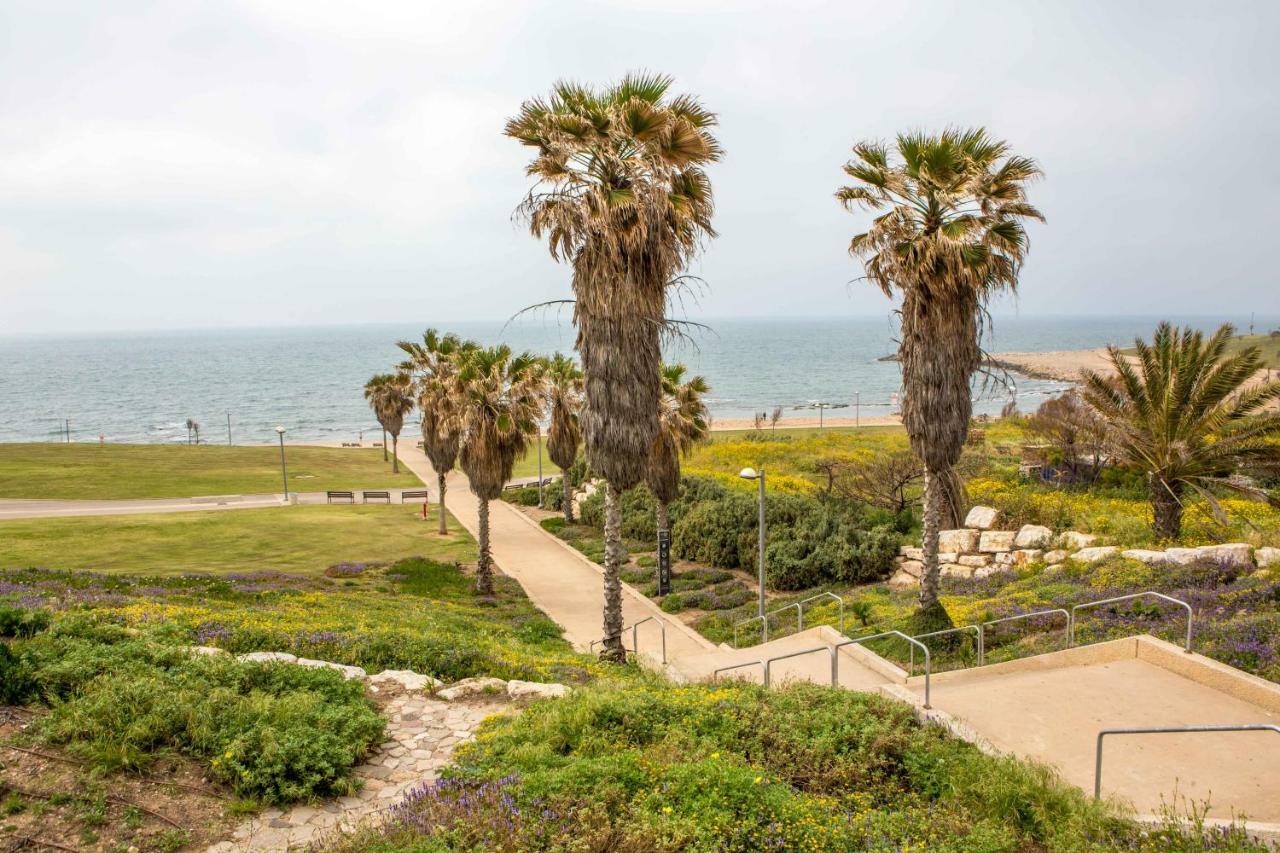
(68, 425)
(228, 429)
(857, 408)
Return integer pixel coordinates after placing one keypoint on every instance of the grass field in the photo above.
(121, 471)
(528, 466)
(302, 539)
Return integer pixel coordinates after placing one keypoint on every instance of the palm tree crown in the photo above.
(1186, 414)
(433, 364)
(498, 403)
(621, 194)
(564, 400)
(684, 421)
(390, 395)
(949, 237)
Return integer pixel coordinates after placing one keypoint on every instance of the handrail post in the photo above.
(912, 640)
(1097, 759)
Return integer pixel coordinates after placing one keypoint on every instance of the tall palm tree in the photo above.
(622, 195)
(683, 422)
(433, 365)
(564, 400)
(950, 237)
(498, 403)
(1185, 416)
(390, 395)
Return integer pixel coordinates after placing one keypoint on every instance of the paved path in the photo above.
(558, 579)
(22, 508)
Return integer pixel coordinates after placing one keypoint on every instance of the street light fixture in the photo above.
(753, 474)
(284, 474)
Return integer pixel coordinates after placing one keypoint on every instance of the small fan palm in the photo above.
(1185, 415)
(390, 395)
(564, 401)
(683, 422)
(433, 364)
(498, 404)
(622, 195)
(950, 237)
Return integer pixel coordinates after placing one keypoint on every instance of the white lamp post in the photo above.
(753, 474)
(284, 474)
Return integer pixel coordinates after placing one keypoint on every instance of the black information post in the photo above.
(664, 562)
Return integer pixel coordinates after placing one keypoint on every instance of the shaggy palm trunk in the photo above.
(929, 543)
(614, 556)
(568, 497)
(484, 568)
(384, 444)
(395, 454)
(444, 528)
(1166, 508)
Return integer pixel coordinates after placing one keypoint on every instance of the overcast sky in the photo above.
(188, 164)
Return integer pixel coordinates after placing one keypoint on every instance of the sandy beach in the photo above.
(1063, 365)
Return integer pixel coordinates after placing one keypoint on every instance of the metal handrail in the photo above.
(838, 599)
(1021, 616)
(1097, 762)
(635, 635)
(1071, 625)
(768, 664)
(882, 634)
(977, 629)
(715, 673)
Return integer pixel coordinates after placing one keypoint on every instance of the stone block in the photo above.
(1026, 556)
(535, 690)
(982, 517)
(1075, 539)
(988, 571)
(977, 561)
(960, 541)
(911, 567)
(1033, 536)
(902, 580)
(1142, 555)
(267, 657)
(406, 678)
(955, 570)
(472, 687)
(1267, 557)
(347, 671)
(1238, 555)
(1055, 556)
(995, 541)
(911, 553)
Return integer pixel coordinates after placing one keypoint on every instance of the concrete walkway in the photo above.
(558, 579)
(23, 508)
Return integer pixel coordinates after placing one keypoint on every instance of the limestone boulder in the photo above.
(982, 517)
(1004, 558)
(408, 679)
(1181, 556)
(911, 553)
(209, 651)
(911, 567)
(1093, 555)
(267, 657)
(975, 560)
(1143, 555)
(902, 580)
(996, 541)
(988, 571)
(1075, 539)
(1237, 555)
(1032, 536)
(472, 687)
(1026, 556)
(1267, 557)
(955, 570)
(1053, 569)
(947, 557)
(1056, 556)
(536, 690)
(348, 672)
(960, 541)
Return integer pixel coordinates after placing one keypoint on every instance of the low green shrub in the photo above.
(21, 622)
(733, 767)
(273, 732)
(16, 682)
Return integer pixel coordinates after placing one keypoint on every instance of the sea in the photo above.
(240, 384)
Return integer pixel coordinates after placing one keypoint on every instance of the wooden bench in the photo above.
(418, 495)
(332, 496)
(385, 497)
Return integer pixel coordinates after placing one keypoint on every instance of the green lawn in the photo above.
(119, 471)
(303, 539)
(528, 466)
